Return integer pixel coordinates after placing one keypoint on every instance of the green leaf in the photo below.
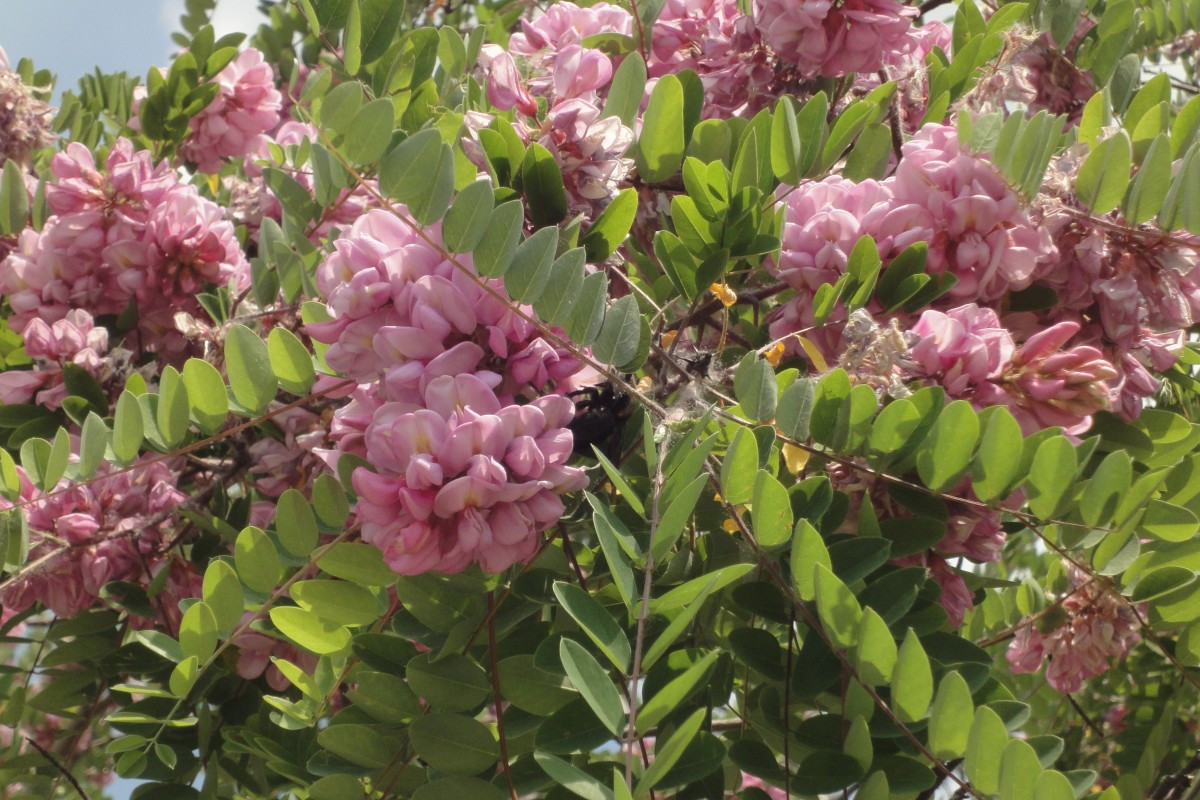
(364, 745)
(312, 632)
(419, 172)
(987, 737)
(592, 681)
(370, 132)
(837, 606)
(997, 464)
(772, 511)
(808, 550)
(620, 334)
(626, 91)
(206, 394)
(496, 248)
(257, 561)
(1051, 476)
(1104, 174)
(794, 410)
(1105, 488)
(357, 562)
(290, 362)
(93, 441)
(542, 184)
(912, 680)
(597, 623)
(680, 623)
(248, 364)
(1019, 770)
(452, 51)
(562, 290)
(468, 217)
(755, 388)
(1161, 582)
(609, 230)
(945, 455)
(669, 697)
(668, 753)
(172, 412)
(1149, 188)
(223, 593)
(876, 654)
(453, 683)
(951, 718)
(337, 601)
(14, 199)
(739, 469)
(1181, 209)
(127, 428)
(659, 150)
(532, 689)
(1168, 522)
(1051, 785)
(529, 272)
(352, 39)
(785, 143)
(198, 632)
(571, 778)
(673, 521)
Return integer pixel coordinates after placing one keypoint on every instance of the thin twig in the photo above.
(46, 754)
(504, 766)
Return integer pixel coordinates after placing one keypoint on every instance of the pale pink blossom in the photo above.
(824, 38)
(247, 106)
(1100, 628)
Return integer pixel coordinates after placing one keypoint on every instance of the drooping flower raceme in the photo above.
(973, 222)
(464, 472)
(1099, 629)
(247, 105)
(835, 39)
(465, 480)
(132, 233)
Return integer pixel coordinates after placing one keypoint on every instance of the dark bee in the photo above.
(600, 415)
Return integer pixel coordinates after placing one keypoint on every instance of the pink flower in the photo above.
(1056, 387)
(506, 90)
(1099, 628)
(564, 24)
(722, 45)
(246, 106)
(963, 349)
(464, 480)
(823, 221)
(971, 219)
(24, 119)
(822, 38)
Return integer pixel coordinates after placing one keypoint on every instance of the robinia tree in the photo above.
(618, 400)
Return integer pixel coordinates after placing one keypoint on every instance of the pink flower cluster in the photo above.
(970, 353)
(573, 80)
(112, 530)
(723, 46)
(1099, 628)
(953, 200)
(130, 234)
(24, 119)
(247, 106)
(465, 480)
(74, 339)
(835, 39)
(465, 473)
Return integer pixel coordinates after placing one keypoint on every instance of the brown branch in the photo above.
(46, 754)
(504, 766)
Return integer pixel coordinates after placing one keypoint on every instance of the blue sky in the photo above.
(71, 37)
